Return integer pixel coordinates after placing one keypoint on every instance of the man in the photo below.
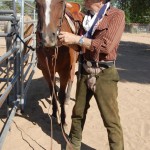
(104, 27)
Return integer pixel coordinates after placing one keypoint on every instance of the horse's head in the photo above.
(50, 15)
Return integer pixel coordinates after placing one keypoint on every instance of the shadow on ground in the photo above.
(39, 92)
(133, 62)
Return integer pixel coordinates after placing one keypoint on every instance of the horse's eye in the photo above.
(61, 1)
(37, 1)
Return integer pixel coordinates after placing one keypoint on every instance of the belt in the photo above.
(104, 64)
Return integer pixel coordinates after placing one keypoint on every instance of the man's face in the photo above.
(93, 5)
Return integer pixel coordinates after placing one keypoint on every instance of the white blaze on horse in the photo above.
(53, 16)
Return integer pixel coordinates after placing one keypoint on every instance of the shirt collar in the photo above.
(108, 11)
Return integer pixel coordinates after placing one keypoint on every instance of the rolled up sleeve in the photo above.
(106, 43)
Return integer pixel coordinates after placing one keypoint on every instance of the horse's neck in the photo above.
(65, 25)
(71, 21)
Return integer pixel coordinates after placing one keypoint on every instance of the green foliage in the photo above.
(78, 1)
(136, 11)
(8, 5)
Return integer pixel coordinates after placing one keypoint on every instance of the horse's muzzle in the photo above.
(49, 40)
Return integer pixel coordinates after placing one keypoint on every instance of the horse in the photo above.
(28, 30)
(53, 16)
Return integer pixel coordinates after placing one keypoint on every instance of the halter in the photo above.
(61, 18)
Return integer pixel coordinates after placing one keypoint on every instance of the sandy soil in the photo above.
(32, 129)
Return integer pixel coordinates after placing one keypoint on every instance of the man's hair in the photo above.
(107, 1)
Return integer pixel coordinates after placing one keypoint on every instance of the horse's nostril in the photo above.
(53, 34)
(44, 40)
(42, 35)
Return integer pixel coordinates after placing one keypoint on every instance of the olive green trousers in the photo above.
(105, 95)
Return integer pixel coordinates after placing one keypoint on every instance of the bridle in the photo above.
(40, 44)
(61, 18)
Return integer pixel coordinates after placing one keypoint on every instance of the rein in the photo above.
(40, 44)
(56, 99)
(30, 47)
(61, 18)
(15, 32)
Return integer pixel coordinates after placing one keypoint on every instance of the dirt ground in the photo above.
(32, 129)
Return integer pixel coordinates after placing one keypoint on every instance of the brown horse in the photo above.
(53, 16)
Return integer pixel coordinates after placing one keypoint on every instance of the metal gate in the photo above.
(15, 73)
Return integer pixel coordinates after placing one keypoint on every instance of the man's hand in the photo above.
(67, 38)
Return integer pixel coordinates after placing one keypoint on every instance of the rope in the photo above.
(56, 99)
(15, 32)
(18, 36)
(53, 95)
(30, 47)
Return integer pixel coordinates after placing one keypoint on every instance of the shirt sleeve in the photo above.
(105, 44)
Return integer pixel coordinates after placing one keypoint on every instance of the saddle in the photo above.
(75, 10)
(74, 16)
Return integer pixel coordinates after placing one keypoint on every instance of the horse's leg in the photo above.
(62, 95)
(73, 59)
(69, 87)
(42, 64)
(53, 92)
(70, 82)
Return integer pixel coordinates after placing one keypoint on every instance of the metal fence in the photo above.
(15, 75)
(137, 28)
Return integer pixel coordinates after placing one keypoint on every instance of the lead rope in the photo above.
(53, 81)
(54, 95)
(62, 128)
(58, 31)
(53, 90)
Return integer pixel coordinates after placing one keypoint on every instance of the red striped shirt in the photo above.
(106, 38)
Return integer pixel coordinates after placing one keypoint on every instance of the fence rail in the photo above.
(14, 82)
(137, 28)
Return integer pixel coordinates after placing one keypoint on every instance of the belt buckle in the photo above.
(88, 63)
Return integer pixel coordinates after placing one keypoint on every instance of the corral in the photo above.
(32, 130)
(17, 62)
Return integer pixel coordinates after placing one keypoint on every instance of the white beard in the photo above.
(88, 21)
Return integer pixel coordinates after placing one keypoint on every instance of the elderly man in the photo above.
(103, 26)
